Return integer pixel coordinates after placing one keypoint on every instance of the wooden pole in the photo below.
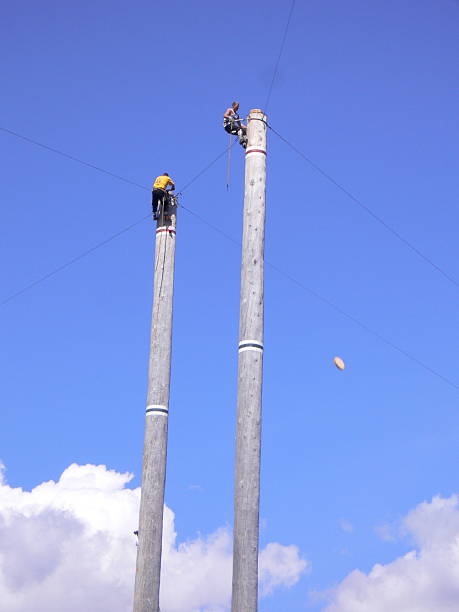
(148, 570)
(250, 373)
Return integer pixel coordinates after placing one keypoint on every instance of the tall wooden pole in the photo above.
(250, 373)
(148, 570)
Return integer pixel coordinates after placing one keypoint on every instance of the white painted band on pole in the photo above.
(250, 345)
(250, 348)
(157, 409)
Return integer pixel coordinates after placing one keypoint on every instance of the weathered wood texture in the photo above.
(148, 570)
(250, 373)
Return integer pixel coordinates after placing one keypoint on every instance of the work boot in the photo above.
(242, 138)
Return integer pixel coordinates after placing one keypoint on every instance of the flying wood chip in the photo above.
(339, 363)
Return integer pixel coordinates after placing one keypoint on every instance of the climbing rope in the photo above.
(228, 167)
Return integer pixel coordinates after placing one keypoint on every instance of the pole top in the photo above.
(256, 110)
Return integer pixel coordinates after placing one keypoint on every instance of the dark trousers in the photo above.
(233, 129)
(159, 199)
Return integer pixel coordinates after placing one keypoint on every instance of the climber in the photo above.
(160, 195)
(232, 124)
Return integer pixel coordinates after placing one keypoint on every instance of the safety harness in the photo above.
(233, 122)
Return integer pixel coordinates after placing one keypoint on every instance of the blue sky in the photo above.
(368, 91)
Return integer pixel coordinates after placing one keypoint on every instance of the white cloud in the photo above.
(346, 525)
(280, 566)
(68, 545)
(386, 532)
(426, 579)
(195, 487)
